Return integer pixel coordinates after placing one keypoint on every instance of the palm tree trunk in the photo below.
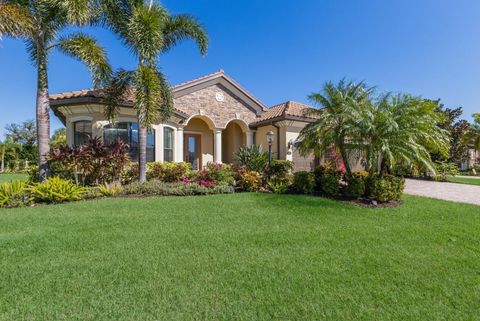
(2, 164)
(142, 142)
(43, 116)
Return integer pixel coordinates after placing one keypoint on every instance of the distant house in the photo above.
(473, 158)
(214, 116)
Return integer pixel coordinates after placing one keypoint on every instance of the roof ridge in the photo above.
(220, 72)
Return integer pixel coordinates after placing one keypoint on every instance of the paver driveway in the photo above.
(446, 191)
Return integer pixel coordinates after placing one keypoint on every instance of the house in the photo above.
(213, 117)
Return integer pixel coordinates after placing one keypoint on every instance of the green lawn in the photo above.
(464, 180)
(9, 177)
(240, 257)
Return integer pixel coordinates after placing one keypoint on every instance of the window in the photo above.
(128, 132)
(82, 132)
(167, 144)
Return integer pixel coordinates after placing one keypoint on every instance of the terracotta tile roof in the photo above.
(289, 108)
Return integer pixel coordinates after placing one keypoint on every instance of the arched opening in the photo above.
(234, 136)
(198, 141)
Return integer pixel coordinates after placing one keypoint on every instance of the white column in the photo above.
(218, 146)
(158, 142)
(250, 141)
(179, 145)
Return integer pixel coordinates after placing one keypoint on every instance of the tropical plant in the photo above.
(13, 194)
(385, 188)
(110, 189)
(444, 170)
(169, 171)
(148, 30)
(254, 158)
(248, 180)
(56, 190)
(8, 150)
(59, 138)
(473, 136)
(336, 124)
(40, 23)
(304, 182)
(397, 129)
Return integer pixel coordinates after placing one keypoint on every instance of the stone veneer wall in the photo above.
(221, 112)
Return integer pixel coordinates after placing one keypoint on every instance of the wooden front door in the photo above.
(192, 144)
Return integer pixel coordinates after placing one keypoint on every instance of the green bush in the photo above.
(253, 158)
(280, 184)
(56, 190)
(385, 188)
(218, 173)
(443, 170)
(248, 180)
(130, 173)
(159, 188)
(356, 184)
(330, 181)
(304, 182)
(14, 194)
(279, 168)
(169, 172)
(91, 193)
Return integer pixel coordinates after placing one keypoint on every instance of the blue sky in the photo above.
(284, 49)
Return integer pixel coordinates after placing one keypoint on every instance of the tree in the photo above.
(336, 125)
(39, 23)
(397, 129)
(458, 130)
(473, 136)
(59, 138)
(8, 149)
(148, 30)
(24, 137)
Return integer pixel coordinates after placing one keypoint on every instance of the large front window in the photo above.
(167, 144)
(82, 132)
(128, 132)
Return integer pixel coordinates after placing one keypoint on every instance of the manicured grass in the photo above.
(9, 177)
(240, 257)
(464, 180)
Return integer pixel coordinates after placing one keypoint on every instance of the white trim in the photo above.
(218, 146)
(209, 121)
(240, 122)
(179, 145)
(74, 119)
(174, 147)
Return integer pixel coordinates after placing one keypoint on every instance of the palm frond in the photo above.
(117, 90)
(181, 27)
(87, 50)
(16, 21)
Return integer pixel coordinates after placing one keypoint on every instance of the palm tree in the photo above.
(473, 136)
(335, 127)
(7, 149)
(400, 129)
(39, 24)
(148, 30)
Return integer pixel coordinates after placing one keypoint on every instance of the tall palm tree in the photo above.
(400, 129)
(39, 23)
(336, 124)
(148, 30)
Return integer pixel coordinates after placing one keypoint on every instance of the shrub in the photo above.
(248, 180)
(330, 181)
(217, 173)
(443, 170)
(56, 190)
(356, 185)
(92, 163)
(385, 188)
(280, 184)
(91, 193)
(304, 182)
(253, 158)
(130, 173)
(110, 189)
(156, 187)
(279, 168)
(14, 194)
(169, 171)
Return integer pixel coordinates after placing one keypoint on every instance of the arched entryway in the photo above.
(234, 136)
(198, 141)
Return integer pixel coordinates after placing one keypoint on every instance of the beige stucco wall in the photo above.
(261, 139)
(232, 139)
(198, 126)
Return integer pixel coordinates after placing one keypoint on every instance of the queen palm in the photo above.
(148, 30)
(337, 117)
(40, 23)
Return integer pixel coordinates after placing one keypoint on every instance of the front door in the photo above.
(193, 150)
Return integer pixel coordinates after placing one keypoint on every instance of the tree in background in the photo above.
(8, 151)
(24, 136)
(39, 24)
(458, 130)
(59, 138)
(473, 136)
(148, 30)
(335, 128)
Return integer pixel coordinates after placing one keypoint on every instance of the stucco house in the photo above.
(213, 117)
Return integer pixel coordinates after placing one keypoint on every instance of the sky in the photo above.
(283, 50)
